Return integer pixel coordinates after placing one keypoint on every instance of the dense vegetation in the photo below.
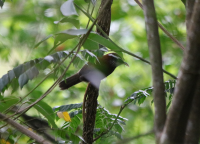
(38, 41)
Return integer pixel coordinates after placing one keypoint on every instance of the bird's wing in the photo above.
(93, 76)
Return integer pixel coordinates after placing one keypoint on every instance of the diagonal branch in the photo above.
(164, 30)
(120, 48)
(24, 130)
(156, 65)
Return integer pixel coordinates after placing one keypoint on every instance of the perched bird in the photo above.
(94, 73)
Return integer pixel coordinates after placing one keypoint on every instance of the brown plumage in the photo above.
(94, 73)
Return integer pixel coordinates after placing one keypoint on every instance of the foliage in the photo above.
(37, 43)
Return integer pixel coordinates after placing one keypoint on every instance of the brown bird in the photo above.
(94, 73)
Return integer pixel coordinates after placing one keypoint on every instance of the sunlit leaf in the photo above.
(90, 45)
(73, 21)
(8, 102)
(103, 41)
(43, 108)
(68, 8)
(67, 107)
(43, 40)
(76, 32)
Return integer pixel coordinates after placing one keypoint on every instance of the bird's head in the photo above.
(115, 60)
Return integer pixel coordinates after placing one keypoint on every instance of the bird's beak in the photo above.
(126, 64)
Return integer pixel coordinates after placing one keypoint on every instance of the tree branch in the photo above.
(91, 94)
(24, 130)
(121, 109)
(165, 30)
(193, 127)
(189, 12)
(175, 127)
(156, 63)
(120, 48)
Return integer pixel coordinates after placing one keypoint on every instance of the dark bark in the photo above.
(189, 11)
(91, 95)
(90, 115)
(156, 64)
(175, 127)
(104, 19)
(193, 125)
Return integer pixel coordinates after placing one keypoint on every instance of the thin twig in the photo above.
(165, 30)
(59, 79)
(123, 50)
(121, 109)
(24, 130)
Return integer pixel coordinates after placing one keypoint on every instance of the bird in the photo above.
(94, 72)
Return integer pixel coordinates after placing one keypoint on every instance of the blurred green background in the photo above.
(24, 23)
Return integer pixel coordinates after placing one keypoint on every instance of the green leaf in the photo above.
(89, 56)
(19, 70)
(44, 39)
(90, 45)
(68, 8)
(74, 32)
(103, 41)
(184, 2)
(11, 75)
(119, 136)
(74, 113)
(23, 79)
(29, 70)
(43, 108)
(8, 102)
(60, 38)
(32, 73)
(67, 107)
(14, 85)
(118, 128)
(73, 21)
(141, 99)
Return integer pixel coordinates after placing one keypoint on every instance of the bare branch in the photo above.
(175, 127)
(24, 130)
(165, 30)
(156, 63)
(189, 11)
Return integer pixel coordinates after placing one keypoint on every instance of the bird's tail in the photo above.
(69, 82)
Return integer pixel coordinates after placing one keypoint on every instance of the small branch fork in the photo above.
(24, 130)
